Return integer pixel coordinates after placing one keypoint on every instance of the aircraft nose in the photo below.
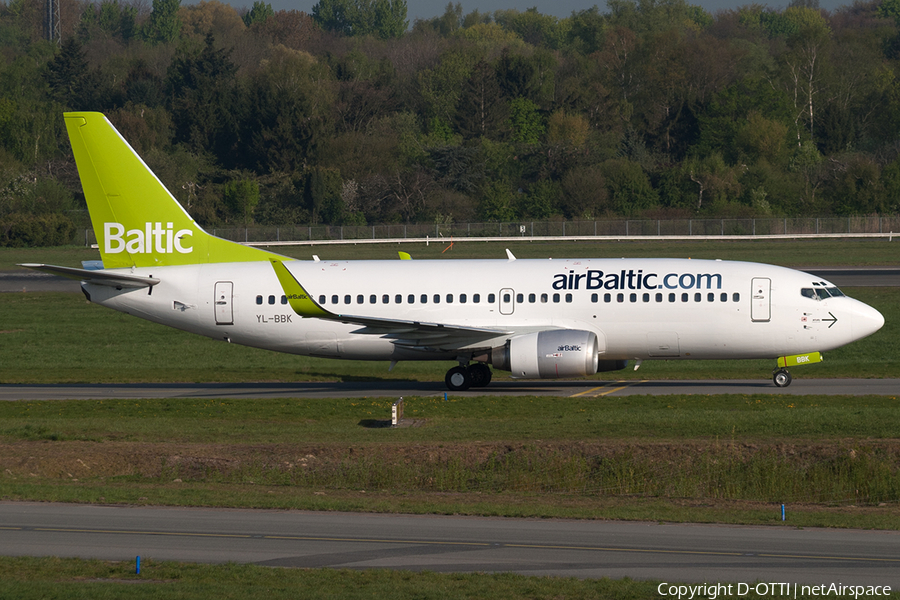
(866, 321)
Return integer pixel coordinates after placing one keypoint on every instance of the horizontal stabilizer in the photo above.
(98, 277)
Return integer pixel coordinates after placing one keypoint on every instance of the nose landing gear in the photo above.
(782, 378)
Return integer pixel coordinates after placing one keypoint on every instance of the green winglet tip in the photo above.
(298, 298)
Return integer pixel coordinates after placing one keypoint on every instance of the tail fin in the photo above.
(136, 220)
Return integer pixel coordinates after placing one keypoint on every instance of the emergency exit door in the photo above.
(761, 299)
(224, 313)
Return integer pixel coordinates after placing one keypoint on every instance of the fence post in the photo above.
(785, 226)
(723, 226)
(564, 229)
(690, 227)
(627, 230)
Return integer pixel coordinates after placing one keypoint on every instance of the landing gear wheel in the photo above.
(480, 374)
(782, 378)
(458, 379)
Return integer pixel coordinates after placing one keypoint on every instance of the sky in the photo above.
(426, 9)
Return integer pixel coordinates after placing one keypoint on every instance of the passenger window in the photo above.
(532, 298)
(272, 299)
(544, 298)
(736, 297)
(437, 298)
(632, 297)
(506, 297)
(710, 297)
(684, 297)
(646, 297)
(398, 299)
(334, 299)
(423, 298)
(476, 298)
(620, 297)
(259, 299)
(373, 298)
(520, 298)
(568, 297)
(491, 298)
(347, 299)
(659, 297)
(594, 297)
(672, 297)
(449, 298)
(411, 299)
(607, 297)
(556, 297)
(385, 299)
(698, 297)
(723, 297)
(360, 299)
(462, 298)
(283, 299)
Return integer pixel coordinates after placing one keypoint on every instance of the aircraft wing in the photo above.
(99, 277)
(416, 334)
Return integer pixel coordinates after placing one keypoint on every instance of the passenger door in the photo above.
(224, 293)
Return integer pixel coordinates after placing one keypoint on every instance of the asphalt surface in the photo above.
(584, 549)
(102, 391)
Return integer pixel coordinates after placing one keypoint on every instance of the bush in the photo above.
(21, 230)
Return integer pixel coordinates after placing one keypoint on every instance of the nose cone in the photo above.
(865, 320)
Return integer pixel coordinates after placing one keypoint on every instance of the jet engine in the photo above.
(551, 354)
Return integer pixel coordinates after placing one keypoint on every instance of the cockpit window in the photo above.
(821, 293)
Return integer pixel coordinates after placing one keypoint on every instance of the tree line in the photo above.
(354, 115)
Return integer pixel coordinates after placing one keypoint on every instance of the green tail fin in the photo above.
(136, 220)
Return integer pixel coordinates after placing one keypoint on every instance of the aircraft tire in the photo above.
(480, 374)
(458, 379)
(782, 378)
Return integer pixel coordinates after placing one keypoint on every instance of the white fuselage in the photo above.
(638, 308)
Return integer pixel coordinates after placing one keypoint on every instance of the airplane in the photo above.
(536, 319)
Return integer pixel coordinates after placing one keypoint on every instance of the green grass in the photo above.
(60, 337)
(678, 458)
(792, 253)
(459, 419)
(65, 579)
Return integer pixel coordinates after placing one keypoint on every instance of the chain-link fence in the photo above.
(623, 228)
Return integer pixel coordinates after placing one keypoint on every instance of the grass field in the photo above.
(65, 579)
(700, 458)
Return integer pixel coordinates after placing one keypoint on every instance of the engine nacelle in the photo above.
(549, 354)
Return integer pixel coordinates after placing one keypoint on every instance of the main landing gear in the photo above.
(782, 378)
(461, 378)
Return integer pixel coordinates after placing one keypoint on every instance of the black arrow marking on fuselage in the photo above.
(833, 320)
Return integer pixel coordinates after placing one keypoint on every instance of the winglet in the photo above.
(510, 255)
(404, 256)
(298, 298)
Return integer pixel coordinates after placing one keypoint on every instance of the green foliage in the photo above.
(164, 25)
(29, 230)
(525, 121)
(789, 111)
(260, 12)
(241, 196)
(110, 18)
(385, 19)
